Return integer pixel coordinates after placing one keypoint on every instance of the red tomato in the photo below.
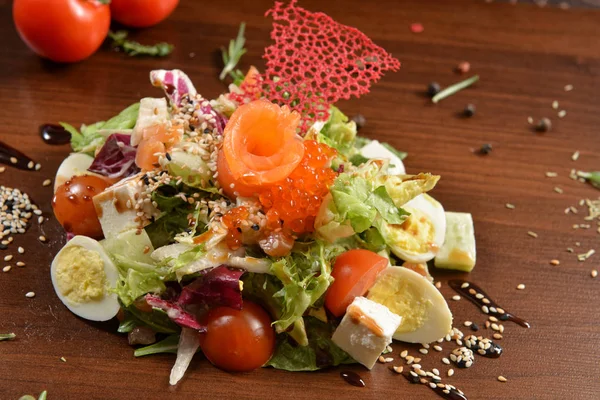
(62, 30)
(354, 272)
(238, 340)
(74, 208)
(141, 13)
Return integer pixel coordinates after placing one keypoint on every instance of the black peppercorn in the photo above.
(544, 125)
(360, 121)
(433, 89)
(485, 149)
(469, 110)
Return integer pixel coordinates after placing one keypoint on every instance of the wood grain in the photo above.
(524, 54)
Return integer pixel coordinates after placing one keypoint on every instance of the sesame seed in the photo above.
(30, 295)
(2, 169)
(410, 359)
(63, 359)
(435, 371)
(562, 113)
(555, 105)
(42, 238)
(417, 360)
(21, 250)
(520, 286)
(416, 366)
(438, 285)
(38, 167)
(40, 220)
(464, 285)
(398, 369)
(558, 190)
(47, 182)
(446, 361)
(485, 309)
(568, 88)
(450, 372)
(554, 262)
(487, 324)
(468, 323)
(381, 359)
(423, 351)
(456, 297)
(13, 160)
(532, 234)
(437, 348)
(530, 120)
(404, 354)
(479, 296)
(502, 379)
(6, 268)
(594, 273)
(510, 206)
(575, 156)
(495, 327)
(8, 257)
(388, 359)
(20, 264)
(551, 174)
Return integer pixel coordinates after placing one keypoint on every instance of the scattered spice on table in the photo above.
(433, 89)
(543, 125)
(469, 110)
(463, 67)
(416, 27)
(485, 149)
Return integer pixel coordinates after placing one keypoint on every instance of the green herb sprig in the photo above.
(457, 87)
(119, 41)
(232, 55)
(592, 177)
(43, 396)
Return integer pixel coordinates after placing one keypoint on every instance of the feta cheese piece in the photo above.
(152, 112)
(115, 206)
(366, 330)
(376, 150)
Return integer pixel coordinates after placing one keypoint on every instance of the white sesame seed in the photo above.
(42, 238)
(6, 268)
(63, 359)
(532, 234)
(398, 369)
(381, 359)
(450, 372)
(456, 297)
(530, 120)
(568, 88)
(562, 113)
(438, 285)
(554, 262)
(423, 351)
(20, 264)
(555, 105)
(520, 286)
(435, 371)
(437, 348)
(464, 285)
(510, 206)
(30, 294)
(497, 336)
(468, 323)
(21, 250)
(558, 190)
(485, 309)
(38, 167)
(575, 156)
(416, 366)
(502, 379)
(40, 220)
(594, 273)
(47, 182)
(2, 169)
(404, 354)
(551, 174)
(446, 361)
(13, 160)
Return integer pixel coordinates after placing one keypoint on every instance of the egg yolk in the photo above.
(80, 274)
(402, 298)
(415, 235)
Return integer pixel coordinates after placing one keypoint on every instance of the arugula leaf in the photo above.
(232, 56)
(7, 336)
(320, 352)
(167, 345)
(119, 41)
(127, 324)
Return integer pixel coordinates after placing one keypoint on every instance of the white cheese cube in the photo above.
(366, 330)
(152, 112)
(376, 150)
(116, 206)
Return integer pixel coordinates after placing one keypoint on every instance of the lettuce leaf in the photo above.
(339, 132)
(320, 352)
(89, 138)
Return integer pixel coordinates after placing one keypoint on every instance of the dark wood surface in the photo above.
(524, 54)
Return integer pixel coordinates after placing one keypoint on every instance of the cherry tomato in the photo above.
(141, 13)
(62, 30)
(354, 273)
(238, 340)
(74, 208)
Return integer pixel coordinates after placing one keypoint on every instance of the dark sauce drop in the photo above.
(54, 134)
(352, 378)
(440, 389)
(456, 284)
(22, 161)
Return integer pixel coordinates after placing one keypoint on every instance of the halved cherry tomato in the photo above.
(141, 13)
(260, 148)
(354, 273)
(74, 208)
(238, 340)
(62, 30)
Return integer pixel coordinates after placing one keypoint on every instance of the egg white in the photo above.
(75, 164)
(426, 213)
(99, 310)
(376, 150)
(399, 285)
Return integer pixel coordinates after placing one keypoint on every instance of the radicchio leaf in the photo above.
(218, 287)
(217, 120)
(116, 159)
(174, 82)
(175, 312)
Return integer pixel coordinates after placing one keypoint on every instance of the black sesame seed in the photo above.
(207, 130)
(360, 121)
(433, 89)
(544, 125)
(239, 229)
(469, 110)
(3, 246)
(485, 149)
(474, 327)
(168, 156)
(255, 227)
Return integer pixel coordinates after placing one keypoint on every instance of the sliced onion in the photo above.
(189, 342)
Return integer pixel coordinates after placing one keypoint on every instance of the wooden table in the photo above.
(525, 56)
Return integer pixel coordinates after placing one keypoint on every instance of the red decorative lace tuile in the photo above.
(314, 62)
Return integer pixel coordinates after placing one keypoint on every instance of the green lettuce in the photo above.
(89, 137)
(320, 352)
(339, 132)
(167, 345)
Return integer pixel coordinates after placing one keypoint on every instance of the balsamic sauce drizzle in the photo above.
(54, 134)
(352, 378)
(22, 161)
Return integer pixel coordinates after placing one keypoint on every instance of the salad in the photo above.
(257, 228)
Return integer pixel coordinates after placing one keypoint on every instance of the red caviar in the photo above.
(293, 204)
